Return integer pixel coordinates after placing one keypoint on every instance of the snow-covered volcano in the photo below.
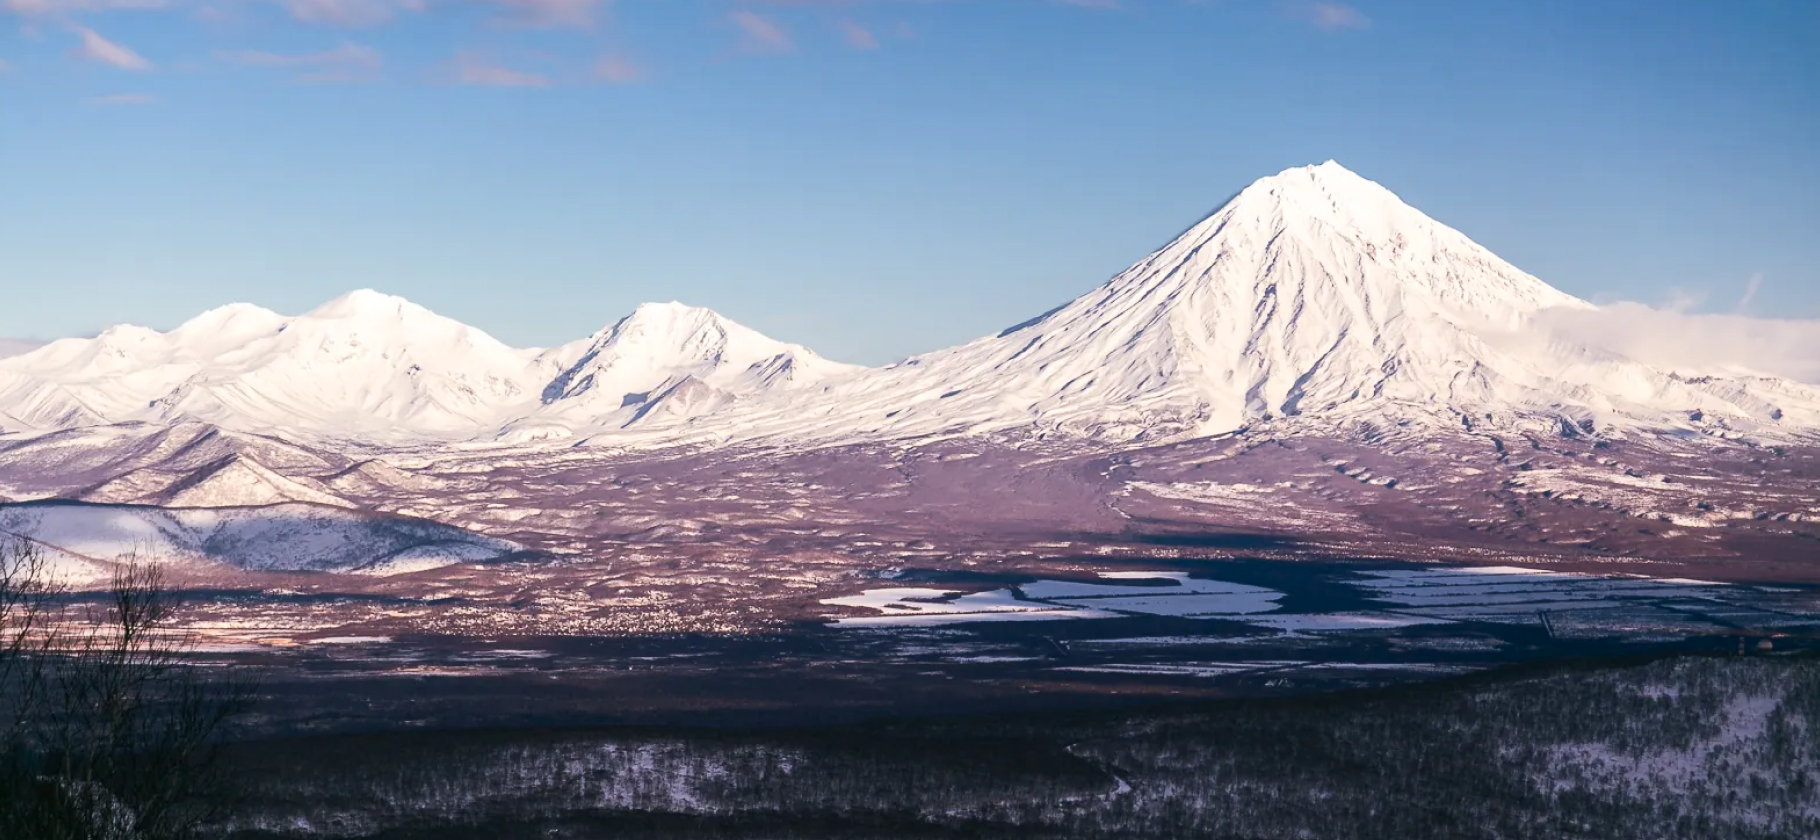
(1314, 292)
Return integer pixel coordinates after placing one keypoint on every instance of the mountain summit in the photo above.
(664, 363)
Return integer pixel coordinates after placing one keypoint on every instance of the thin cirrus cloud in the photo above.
(350, 13)
(760, 35)
(857, 36)
(49, 8)
(100, 50)
(554, 14)
(471, 69)
(1335, 17)
(617, 70)
(125, 99)
(541, 14)
(345, 63)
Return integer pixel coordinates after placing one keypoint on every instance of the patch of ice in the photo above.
(1237, 603)
(1182, 669)
(911, 606)
(1323, 622)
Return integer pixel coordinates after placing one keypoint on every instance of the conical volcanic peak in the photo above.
(691, 359)
(1312, 293)
(1317, 226)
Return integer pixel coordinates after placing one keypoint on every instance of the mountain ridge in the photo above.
(368, 366)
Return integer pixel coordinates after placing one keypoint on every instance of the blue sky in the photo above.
(870, 178)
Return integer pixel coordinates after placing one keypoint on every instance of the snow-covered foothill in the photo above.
(281, 537)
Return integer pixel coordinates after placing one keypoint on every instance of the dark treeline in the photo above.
(1708, 748)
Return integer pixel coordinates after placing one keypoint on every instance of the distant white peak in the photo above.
(224, 327)
(674, 327)
(123, 343)
(365, 316)
(671, 315)
(129, 334)
(233, 315)
(655, 308)
(368, 304)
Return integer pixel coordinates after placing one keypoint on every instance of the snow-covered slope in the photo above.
(375, 368)
(1314, 293)
(233, 481)
(284, 537)
(143, 458)
(365, 365)
(664, 363)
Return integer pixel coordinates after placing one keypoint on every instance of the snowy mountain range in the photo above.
(1312, 295)
(369, 367)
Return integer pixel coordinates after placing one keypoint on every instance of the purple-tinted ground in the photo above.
(659, 586)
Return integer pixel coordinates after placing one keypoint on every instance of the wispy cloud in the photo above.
(1694, 343)
(1750, 292)
(125, 99)
(471, 69)
(46, 8)
(98, 49)
(345, 63)
(571, 14)
(617, 70)
(1334, 17)
(857, 36)
(760, 34)
(351, 13)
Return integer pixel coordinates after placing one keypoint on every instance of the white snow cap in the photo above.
(367, 303)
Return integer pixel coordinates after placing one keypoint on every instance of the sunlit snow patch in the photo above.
(1179, 595)
(912, 606)
(1510, 594)
(1340, 622)
(1182, 669)
(286, 537)
(1182, 596)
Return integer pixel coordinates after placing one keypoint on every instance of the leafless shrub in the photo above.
(111, 730)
